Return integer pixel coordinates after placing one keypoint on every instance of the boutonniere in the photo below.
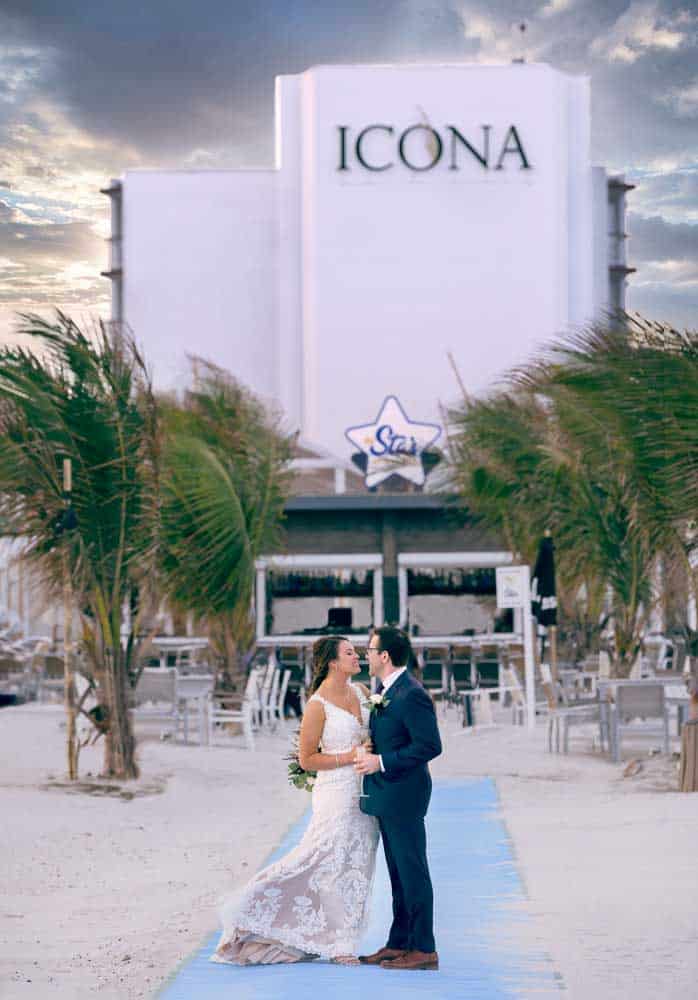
(377, 703)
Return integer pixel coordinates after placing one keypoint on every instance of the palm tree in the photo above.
(639, 379)
(590, 442)
(87, 398)
(225, 484)
(506, 467)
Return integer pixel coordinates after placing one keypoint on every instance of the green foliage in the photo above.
(595, 441)
(297, 775)
(225, 485)
(86, 398)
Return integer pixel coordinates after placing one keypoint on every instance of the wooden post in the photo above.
(688, 775)
(529, 647)
(553, 654)
(69, 688)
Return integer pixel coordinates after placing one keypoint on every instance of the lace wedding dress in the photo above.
(314, 901)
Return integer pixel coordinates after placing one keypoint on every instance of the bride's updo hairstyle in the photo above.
(324, 651)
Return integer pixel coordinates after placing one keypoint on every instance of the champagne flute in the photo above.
(361, 752)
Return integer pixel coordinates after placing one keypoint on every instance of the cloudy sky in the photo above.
(88, 89)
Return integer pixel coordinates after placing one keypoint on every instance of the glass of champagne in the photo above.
(361, 752)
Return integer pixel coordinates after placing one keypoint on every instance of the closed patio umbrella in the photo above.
(543, 596)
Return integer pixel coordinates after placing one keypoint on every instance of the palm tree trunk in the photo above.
(120, 745)
(72, 748)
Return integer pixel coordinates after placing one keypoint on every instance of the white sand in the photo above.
(110, 894)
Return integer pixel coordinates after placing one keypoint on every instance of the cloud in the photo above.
(50, 263)
(642, 29)
(665, 286)
(683, 101)
(665, 302)
(97, 88)
(670, 193)
(655, 239)
(554, 7)
(21, 67)
(496, 38)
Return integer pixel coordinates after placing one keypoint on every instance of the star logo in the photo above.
(393, 444)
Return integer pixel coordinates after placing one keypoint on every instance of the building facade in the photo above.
(419, 220)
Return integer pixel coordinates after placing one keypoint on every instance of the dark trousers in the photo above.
(405, 846)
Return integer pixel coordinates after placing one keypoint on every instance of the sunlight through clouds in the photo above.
(555, 7)
(93, 91)
(53, 219)
(683, 101)
(642, 28)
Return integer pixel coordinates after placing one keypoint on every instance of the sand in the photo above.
(109, 892)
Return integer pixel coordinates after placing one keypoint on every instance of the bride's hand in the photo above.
(361, 748)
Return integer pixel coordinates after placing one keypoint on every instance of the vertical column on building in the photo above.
(618, 269)
(289, 148)
(580, 196)
(115, 272)
(391, 594)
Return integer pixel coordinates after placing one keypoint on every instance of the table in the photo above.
(196, 688)
(177, 644)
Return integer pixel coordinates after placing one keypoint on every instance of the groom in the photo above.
(397, 788)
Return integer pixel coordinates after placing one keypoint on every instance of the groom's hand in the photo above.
(369, 763)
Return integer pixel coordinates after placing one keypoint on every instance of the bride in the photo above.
(313, 902)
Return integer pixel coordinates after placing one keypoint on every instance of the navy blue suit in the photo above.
(406, 736)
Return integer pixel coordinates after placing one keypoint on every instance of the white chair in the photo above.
(278, 705)
(51, 681)
(518, 698)
(156, 698)
(222, 710)
(560, 721)
(639, 700)
(266, 692)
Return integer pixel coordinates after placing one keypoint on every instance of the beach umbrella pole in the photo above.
(553, 654)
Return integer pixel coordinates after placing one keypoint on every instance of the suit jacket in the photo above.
(406, 735)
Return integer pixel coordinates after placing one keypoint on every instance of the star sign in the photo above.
(393, 444)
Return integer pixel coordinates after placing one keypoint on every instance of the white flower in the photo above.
(376, 699)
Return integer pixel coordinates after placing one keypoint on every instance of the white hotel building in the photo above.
(413, 212)
(418, 221)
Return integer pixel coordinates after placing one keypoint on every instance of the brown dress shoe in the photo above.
(382, 955)
(413, 960)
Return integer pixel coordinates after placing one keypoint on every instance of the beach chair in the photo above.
(511, 680)
(156, 698)
(560, 720)
(268, 695)
(224, 708)
(641, 700)
(51, 680)
(278, 701)
(12, 676)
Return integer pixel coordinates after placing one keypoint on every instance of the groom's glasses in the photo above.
(372, 649)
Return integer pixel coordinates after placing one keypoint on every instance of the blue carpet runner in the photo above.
(479, 913)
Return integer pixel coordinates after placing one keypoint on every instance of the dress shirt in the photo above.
(386, 687)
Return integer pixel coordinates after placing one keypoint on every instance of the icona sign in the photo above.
(421, 147)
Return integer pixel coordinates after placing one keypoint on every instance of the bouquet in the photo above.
(298, 776)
